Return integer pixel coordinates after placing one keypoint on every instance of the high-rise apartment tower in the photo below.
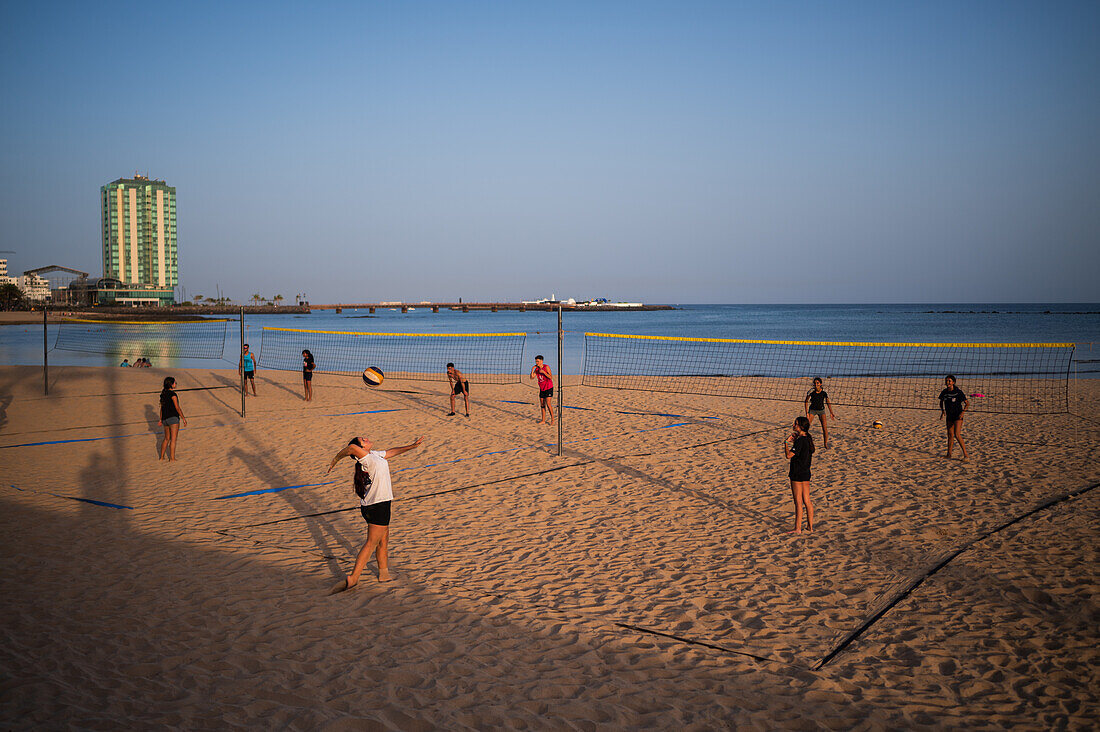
(139, 232)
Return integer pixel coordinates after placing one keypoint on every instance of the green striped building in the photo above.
(139, 234)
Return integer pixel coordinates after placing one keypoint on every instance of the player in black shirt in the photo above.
(953, 404)
(816, 401)
(799, 449)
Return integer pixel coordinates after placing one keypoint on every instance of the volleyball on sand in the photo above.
(876, 424)
(373, 376)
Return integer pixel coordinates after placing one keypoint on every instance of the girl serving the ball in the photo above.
(373, 487)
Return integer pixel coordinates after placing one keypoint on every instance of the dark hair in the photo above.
(949, 376)
(244, 346)
(361, 480)
(539, 358)
(450, 365)
(168, 383)
(817, 380)
(307, 354)
(803, 423)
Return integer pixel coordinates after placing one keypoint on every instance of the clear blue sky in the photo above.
(668, 152)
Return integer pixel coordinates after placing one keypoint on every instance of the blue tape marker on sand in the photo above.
(74, 498)
(81, 439)
(272, 490)
(372, 411)
(94, 503)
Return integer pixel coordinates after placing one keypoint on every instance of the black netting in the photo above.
(494, 358)
(1002, 378)
(153, 340)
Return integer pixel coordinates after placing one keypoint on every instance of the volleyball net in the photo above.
(1029, 378)
(493, 358)
(149, 339)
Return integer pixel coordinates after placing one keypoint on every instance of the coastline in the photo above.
(642, 580)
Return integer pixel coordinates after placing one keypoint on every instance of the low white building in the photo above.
(34, 287)
(4, 279)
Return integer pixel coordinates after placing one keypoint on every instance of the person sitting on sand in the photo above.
(459, 385)
(816, 401)
(799, 449)
(546, 388)
(125, 363)
(373, 486)
(953, 404)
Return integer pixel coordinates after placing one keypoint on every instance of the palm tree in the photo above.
(278, 299)
(197, 299)
(257, 298)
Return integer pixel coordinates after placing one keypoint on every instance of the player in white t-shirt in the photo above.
(375, 491)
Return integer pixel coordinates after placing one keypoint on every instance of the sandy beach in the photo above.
(644, 579)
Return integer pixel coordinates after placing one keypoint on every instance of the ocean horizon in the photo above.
(1077, 323)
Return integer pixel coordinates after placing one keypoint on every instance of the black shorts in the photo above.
(546, 393)
(799, 477)
(461, 387)
(307, 376)
(377, 513)
(952, 420)
(250, 375)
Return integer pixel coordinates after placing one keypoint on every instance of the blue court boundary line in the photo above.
(74, 498)
(80, 439)
(372, 411)
(109, 437)
(271, 490)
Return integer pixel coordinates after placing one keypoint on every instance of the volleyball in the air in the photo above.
(876, 424)
(373, 376)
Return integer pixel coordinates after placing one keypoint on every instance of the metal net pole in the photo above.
(45, 355)
(241, 363)
(561, 381)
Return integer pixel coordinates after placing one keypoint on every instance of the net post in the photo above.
(45, 355)
(561, 379)
(240, 364)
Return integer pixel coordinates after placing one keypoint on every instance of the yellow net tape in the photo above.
(410, 335)
(837, 343)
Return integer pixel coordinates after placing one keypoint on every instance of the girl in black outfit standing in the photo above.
(307, 374)
(799, 449)
(953, 403)
(170, 416)
(816, 401)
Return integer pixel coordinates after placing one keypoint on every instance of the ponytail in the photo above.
(361, 480)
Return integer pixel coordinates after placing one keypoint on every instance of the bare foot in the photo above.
(385, 577)
(342, 586)
(797, 531)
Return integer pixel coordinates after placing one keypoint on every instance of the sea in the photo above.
(1077, 323)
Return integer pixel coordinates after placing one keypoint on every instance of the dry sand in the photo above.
(643, 579)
